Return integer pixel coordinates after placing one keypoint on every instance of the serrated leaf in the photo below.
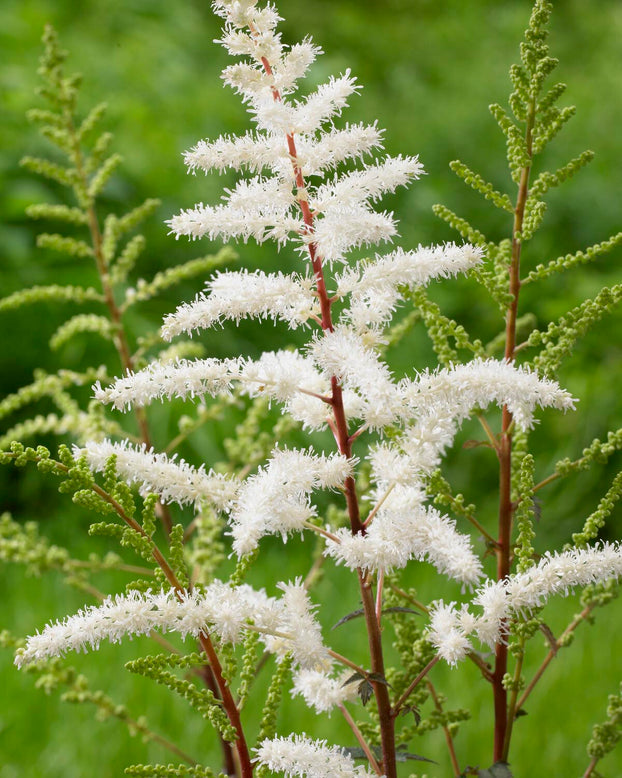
(404, 756)
(360, 612)
(497, 770)
(411, 709)
(355, 614)
(400, 754)
(365, 691)
(354, 677)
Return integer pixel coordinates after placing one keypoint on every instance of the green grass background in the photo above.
(429, 70)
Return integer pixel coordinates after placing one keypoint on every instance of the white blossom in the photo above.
(404, 529)
(345, 354)
(373, 286)
(446, 634)
(480, 382)
(519, 594)
(323, 692)
(221, 609)
(234, 295)
(182, 379)
(299, 755)
(276, 500)
(172, 479)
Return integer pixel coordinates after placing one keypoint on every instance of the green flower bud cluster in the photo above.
(267, 728)
(596, 521)
(202, 700)
(560, 337)
(597, 451)
(605, 736)
(524, 551)
(170, 771)
(441, 328)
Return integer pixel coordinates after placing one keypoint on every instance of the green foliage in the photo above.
(172, 770)
(441, 328)
(597, 451)
(560, 336)
(524, 515)
(606, 736)
(268, 725)
(596, 521)
(202, 700)
(38, 294)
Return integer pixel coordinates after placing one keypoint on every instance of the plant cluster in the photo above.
(353, 464)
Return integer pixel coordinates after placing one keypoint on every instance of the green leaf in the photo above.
(498, 770)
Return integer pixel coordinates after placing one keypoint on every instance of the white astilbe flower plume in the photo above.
(221, 609)
(299, 755)
(285, 376)
(294, 145)
(480, 382)
(374, 286)
(323, 692)
(182, 378)
(234, 295)
(276, 500)
(405, 529)
(520, 594)
(172, 479)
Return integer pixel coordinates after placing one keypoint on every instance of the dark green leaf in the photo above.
(349, 617)
(350, 679)
(498, 770)
(365, 691)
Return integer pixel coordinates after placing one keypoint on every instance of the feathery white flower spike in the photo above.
(276, 499)
(557, 573)
(374, 285)
(172, 479)
(323, 692)
(221, 609)
(299, 755)
(480, 382)
(280, 375)
(405, 529)
(239, 294)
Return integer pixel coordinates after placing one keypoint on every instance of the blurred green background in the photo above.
(429, 70)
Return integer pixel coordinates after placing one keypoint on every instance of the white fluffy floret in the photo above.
(299, 755)
(221, 609)
(276, 500)
(374, 285)
(239, 294)
(446, 634)
(345, 354)
(323, 692)
(480, 382)
(498, 601)
(172, 479)
(182, 378)
(404, 529)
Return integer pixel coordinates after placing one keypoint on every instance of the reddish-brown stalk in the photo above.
(504, 449)
(344, 444)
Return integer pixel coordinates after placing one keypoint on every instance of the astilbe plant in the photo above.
(311, 184)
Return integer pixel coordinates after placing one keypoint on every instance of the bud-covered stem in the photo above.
(504, 450)
(344, 443)
(120, 338)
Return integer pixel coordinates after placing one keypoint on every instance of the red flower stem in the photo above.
(504, 451)
(344, 443)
